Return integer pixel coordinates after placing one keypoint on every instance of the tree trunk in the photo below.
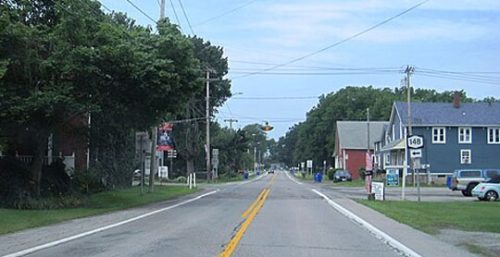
(189, 166)
(39, 148)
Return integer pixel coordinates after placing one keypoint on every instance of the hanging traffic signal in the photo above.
(266, 127)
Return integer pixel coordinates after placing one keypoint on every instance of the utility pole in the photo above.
(154, 130)
(231, 122)
(162, 9)
(409, 70)
(208, 125)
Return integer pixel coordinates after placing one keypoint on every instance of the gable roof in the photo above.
(353, 134)
(444, 114)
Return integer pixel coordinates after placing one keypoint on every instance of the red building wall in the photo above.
(355, 160)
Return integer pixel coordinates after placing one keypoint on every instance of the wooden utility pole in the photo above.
(207, 148)
(162, 9)
(231, 122)
(154, 130)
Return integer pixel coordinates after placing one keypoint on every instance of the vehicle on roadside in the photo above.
(487, 191)
(466, 179)
(342, 175)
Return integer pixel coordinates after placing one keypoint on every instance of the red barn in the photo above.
(351, 139)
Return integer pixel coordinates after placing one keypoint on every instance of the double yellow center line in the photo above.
(248, 215)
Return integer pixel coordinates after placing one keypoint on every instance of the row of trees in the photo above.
(314, 139)
(63, 61)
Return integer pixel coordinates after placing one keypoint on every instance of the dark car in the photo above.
(342, 175)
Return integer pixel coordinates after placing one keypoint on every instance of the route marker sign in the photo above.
(415, 142)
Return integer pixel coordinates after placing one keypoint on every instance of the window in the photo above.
(493, 135)
(438, 135)
(464, 135)
(470, 174)
(465, 156)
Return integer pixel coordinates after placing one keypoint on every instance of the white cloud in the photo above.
(304, 24)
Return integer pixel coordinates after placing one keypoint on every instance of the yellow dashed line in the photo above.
(249, 214)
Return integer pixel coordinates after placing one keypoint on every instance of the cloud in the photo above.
(302, 24)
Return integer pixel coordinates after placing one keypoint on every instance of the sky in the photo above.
(284, 54)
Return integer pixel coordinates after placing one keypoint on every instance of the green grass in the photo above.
(430, 217)
(354, 183)
(12, 220)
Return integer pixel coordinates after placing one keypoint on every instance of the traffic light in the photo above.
(266, 127)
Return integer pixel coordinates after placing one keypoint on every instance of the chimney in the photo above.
(456, 99)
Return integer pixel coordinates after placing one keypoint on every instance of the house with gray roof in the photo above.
(351, 143)
(456, 136)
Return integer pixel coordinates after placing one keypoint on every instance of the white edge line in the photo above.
(67, 239)
(292, 179)
(379, 233)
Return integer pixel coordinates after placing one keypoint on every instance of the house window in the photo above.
(465, 156)
(464, 135)
(439, 135)
(493, 135)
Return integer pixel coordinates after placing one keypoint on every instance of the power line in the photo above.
(175, 14)
(141, 11)
(185, 16)
(277, 98)
(314, 73)
(336, 43)
(225, 13)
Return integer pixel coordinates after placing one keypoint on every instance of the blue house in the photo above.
(456, 136)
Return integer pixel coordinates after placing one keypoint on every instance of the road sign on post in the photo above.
(415, 142)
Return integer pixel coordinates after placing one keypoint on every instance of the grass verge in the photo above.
(354, 183)
(12, 220)
(430, 217)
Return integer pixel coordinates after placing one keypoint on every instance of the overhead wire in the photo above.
(141, 11)
(175, 14)
(225, 13)
(336, 43)
(186, 17)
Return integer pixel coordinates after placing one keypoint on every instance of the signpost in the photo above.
(415, 145)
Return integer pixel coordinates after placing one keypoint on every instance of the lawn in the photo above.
(354, 183)
(12, 220)
(430, 217)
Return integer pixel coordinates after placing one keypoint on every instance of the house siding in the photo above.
(445, 158)
(355, 160)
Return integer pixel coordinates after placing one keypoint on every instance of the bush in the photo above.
(362, 173)
(88, 182)
(181, 179)
(46, 203)
(15, 182)
(55, 180)
(330, 172)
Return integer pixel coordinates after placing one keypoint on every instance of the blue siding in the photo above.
(446, 157)
(396, 123)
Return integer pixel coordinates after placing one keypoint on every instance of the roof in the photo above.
(444, 114)
(353, 134)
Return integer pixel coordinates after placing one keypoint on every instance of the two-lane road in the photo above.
(290, 220)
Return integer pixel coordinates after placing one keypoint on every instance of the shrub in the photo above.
(87, 182)
(55, 180)
(15, 182)
(330, 173)
(362, 173)
(181, 179)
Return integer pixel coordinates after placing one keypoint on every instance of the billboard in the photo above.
(165, 140)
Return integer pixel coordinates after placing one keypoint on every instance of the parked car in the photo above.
(342, 175)
(487, 190)
(466, 179)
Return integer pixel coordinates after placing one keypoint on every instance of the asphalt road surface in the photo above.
(271, 216)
